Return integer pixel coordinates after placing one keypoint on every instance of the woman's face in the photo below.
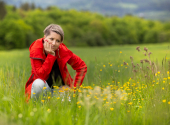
(54, 39)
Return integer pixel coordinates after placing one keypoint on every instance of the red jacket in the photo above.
(42, 65)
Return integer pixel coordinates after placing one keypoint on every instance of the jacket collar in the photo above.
(37, 50)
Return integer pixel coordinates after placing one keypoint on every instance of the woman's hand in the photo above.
(47, 48)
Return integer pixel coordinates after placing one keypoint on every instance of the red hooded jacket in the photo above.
(42, 65)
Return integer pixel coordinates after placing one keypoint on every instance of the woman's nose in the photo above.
(53, 42)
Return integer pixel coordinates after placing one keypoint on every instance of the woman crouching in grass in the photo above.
(49, 57)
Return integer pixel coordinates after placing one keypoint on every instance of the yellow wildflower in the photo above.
(61, 90)
(164, 100)
(44, 88)
(130, 103)
(74, 95)
(56, 87)
(165, 78)
(88, 95)
(49, 110)
(111, 109)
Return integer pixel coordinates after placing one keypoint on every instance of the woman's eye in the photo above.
(51, 38)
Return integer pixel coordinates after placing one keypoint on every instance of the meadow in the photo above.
(123, 86)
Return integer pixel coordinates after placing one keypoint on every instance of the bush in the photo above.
(14, 33)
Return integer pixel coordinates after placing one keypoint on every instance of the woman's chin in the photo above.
(53, 49)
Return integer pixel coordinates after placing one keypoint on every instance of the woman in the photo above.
(49, 57)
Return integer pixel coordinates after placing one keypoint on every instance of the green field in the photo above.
(114, 91)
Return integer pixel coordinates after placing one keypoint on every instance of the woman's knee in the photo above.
(38, 86)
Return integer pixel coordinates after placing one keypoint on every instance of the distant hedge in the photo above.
(19, 28)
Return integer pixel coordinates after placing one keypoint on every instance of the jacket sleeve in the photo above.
(41, 68)
(79, 65)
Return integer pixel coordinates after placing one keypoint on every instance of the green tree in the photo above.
(3, 11)
(14, 33)
(25, 6)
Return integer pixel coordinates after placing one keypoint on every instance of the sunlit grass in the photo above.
(114, 91)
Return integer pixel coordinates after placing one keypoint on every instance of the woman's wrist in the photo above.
(52, 53)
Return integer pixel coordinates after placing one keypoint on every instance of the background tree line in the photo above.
(19, 27)
(150, 9)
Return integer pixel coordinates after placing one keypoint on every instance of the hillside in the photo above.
(152, 9)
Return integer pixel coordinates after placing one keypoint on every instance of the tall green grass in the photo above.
(113, 92)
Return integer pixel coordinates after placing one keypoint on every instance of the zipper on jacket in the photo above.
(58, 53)
(36, 58)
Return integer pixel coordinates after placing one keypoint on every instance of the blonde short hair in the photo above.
(55, 28)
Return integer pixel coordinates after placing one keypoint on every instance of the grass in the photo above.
(112, 93)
